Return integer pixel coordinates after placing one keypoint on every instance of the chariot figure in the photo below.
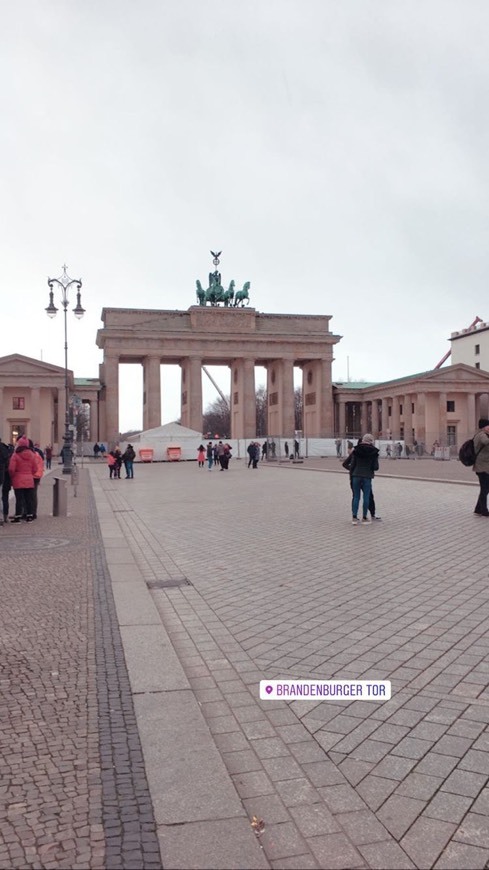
(243, 294)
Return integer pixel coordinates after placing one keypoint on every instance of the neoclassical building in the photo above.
(32, 400)
(441, 405)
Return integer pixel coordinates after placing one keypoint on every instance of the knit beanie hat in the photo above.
(22, 441)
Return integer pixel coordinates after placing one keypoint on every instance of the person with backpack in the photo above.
(364, 464)
(128, 458)
(481, 466)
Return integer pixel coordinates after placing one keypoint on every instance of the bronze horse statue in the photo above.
(243, 294)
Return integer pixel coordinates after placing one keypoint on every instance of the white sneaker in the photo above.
(355, 521)
(365, 520)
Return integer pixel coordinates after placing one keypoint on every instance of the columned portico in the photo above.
(237, 337)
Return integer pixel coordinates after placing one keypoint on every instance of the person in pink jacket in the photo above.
(22, 470)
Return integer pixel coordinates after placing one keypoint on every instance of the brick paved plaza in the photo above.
(134, 633)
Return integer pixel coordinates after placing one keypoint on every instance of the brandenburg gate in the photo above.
(233, 335)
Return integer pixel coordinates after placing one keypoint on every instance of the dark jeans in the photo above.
(24, 502)
(371, 501)
(36, 491)
(360, 484)
(6, 487)
(481, 506)
(129, 468)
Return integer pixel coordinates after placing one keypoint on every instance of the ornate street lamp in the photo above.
(65, 282)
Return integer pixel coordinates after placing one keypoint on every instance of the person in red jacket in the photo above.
(22, 469)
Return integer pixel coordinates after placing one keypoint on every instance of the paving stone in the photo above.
(425, 841)
(282, 768)
(305, 862)
(437, 765)
(394, 767)
(335, 852)
(323, 773)
(459, 856)
(252, 784)
(448, 807)
(419, 785)
(270, 747)
(226, 844)
(297, 791)
(241, 762)
(398, 814)
(341, 798)
(474, 830)
(482, 803)
(307, 751)
(454, 746)
(354, 770)
(375, 790)
(282, 841)
(267, 807)
(314, 820)
(386, 856)
(362, 827)
(464, 782)
(475, 760)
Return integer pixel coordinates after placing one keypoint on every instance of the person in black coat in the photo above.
(364, 464)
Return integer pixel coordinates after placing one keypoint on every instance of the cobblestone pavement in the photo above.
(260, 574)
(73, 788)
(203, 584)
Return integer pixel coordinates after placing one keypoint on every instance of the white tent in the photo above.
(162, 438)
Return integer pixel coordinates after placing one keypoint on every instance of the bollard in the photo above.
(60, 498)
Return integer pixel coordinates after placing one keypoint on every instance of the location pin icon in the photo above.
(269, 689)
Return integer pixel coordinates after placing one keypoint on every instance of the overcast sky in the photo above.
(336, 152)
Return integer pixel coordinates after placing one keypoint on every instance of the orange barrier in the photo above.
(174, 454)
(146, 454)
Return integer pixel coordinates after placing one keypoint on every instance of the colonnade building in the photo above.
(441, 405)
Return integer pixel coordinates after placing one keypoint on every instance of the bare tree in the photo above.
(298, 408)
(261, 412)
(217, 419)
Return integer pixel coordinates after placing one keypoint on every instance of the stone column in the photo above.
(442, 421)
(94, 421)
(151, 392)
(375, 418)
(35, 415)
(385, 417)
(326, 400)
(192, 393)
(111, 368)
(395, 418)
(287, 399)
(407, 407)
(471, 425)
(243, 401)
(420, 418)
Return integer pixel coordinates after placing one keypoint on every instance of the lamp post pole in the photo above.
(65, 282)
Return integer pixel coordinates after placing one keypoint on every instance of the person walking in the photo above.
(256, 457)
(286, 449)
(48, 453)
(251, 451)
(371, 502)
(364, 464)
(96, 450)
(481, 466)
(38, 474)
(111, 462)
(22, 468)
(128, 458)
(201, 454)
(210, 455)
(338, 447)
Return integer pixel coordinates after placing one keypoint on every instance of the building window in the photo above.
(412, 407)
(477, 365)
(400, 409)
(451, 436)
(477, 349)
(389, 411)
(18, 403)
(450, 406)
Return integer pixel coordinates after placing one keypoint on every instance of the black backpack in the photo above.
(467, 454)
